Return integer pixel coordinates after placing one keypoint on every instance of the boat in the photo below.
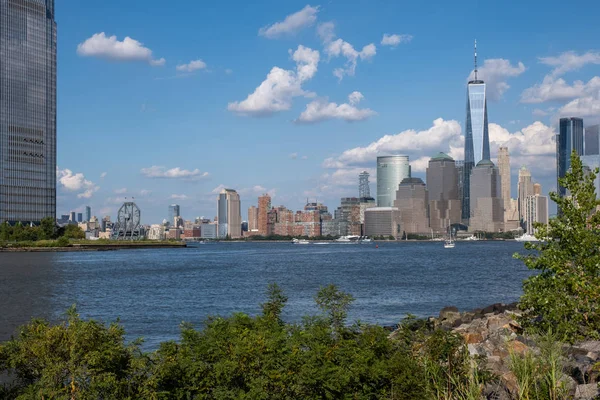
(527, 238)
(366, 240)
(449, 244)
(321, 243)
(472, 238)
(300, 241)
(347, 239)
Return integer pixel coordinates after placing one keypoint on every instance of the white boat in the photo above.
(472, 237)
(346, 239)
(449, 244)
(527, 238)
(321, 243)
(366, 240)
(300, 241)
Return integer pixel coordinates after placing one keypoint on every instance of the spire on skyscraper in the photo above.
(475, 59)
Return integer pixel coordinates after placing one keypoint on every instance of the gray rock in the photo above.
(587, 392)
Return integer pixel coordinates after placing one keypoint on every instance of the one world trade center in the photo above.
(477, 138)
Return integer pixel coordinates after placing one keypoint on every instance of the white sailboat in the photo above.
(449, 242)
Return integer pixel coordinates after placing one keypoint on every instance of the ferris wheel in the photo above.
(127, 226)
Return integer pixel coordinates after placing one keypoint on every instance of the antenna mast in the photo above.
(475, 59)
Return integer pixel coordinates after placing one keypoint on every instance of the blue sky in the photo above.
(171, 114)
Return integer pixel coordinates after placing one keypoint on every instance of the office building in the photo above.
(570, 138)
(253, 219)
(208, 230)
(80, 217)
(365, 204)
(174, 212)
(591, 145)
(73, 217)
(477, 139)
(412, 201)
(348, 216)
(229, 214)
(591, 162)
(537, 212)
(442, 185)
(511, 208)
(525, 189)
(537, 189)
(364, 188)
(382, 221)
(391, 171)
(487, 206)
(157, 232)
(264, 206)
(88, 214)
(27, 111)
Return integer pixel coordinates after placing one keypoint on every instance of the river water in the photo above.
(153, 290)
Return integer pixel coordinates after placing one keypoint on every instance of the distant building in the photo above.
(592, 140)
(382, 221)
(252, 219)
(442, 186)
(73, 217)
(487, 207)
(366, 203)
(569, 139)
(208, 231)
(156, 232)
(348, 217)
(511, 207)
(229, 214)
(364, 189)
(193, 232)
(592, 162)
(88, 213)
(79, 217)
(391, 171)
(174, 212)
(525, 190)
(174, 234)
(537, 211)
(412, 201)
(264, 205)
(307, 223)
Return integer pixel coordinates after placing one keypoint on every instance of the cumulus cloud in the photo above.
(338, 47)
(588, 106)
(321, 110)
(121, 191)
(570, 61)
(292, 24)
(191, 66)
(277, 91)
(557, 89)
(103, 175)
(173, 173)
(178, 197)
(109, 47)
(394, 40)
(495, 72)
(76, 182)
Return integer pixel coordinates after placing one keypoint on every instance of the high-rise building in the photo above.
(525, 189)
(592, 140)
(537, 189)
(411, 201)
(229, 214)
(537, 212)
(253, 219)
(27, 110)
(264, 206)
(382, 221)
(477, 138)
(173, 212)
(592, 162)
(570, 138)
(511, 213)
(364, 190)
(79, 217)
(73, 216)
(348, 216)
(487, 206)
(442, 185)
(391, 171)
(88, 214)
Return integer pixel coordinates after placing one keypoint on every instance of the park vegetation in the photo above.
(46, 234)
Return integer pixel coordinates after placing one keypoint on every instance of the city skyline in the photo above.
(394, 88)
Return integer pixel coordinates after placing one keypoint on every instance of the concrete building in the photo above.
(487, 207)
(365, 204)
(592, 141)
(511, 207)
(229, 214)
(156, 232)
(382, 221)
(174, 234)
(569, 139)
(442, 186)
(174, 212)
(412, 202)
(537, 212)
(253, 219)
(79, 217)
(28, 43)
(209, 230)
(73, 217)
(364, 189)
(391, 171)
(88, 213)
(525, 189)
(264, 206)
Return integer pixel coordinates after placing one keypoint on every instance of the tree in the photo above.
(47, 228)
(335, 304)
(73, 232)
(565, 296)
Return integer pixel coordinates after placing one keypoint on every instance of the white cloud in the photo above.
(100, 45)
(76, 182)
(191, 66)
(277, 91)
(570, 61)
(495, 72)
(173, 173)
(292, 24)
(218, 189)
(321, 110)
(229, 71)
(339, 47)
(121, 191)
(552, 89)
(145, 192)
(256, 191)
(588, 106)
(178, 197)
(103, 175)
(539, 113)
(294, 156)
(394, 40)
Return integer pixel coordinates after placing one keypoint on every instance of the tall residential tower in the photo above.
(229, 214)
(364, 190)
(570, 138)
(27, 110)
(477, 138)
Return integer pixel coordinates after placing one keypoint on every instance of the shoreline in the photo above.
(94, 247)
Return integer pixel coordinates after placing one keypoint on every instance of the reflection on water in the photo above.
(153, 290)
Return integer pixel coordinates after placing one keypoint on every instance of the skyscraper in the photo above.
(79, 217)
(537, 212)
(229, 214)
(391, 171)
(264, 206)
(173, 213)
(252, 219)
(592, 140)
(27, 110)
(364, 190)
(412, 200)
(570, 138)
(525, 190)
(88, 214)
(477, 138)
(504, 169)
(442, 184)
(487, 207)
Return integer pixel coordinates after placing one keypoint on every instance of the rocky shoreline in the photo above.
(494, 333)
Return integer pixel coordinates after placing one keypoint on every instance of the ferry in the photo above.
(527, 238)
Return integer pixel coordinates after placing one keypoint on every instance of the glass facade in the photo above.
(477, 137)
(391, 171)
(592, 140)
(174, 211)
(27, 110)
(570, 138)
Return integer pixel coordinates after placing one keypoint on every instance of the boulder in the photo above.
(587, 392)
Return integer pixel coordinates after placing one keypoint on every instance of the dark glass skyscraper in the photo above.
(570, 138)
(27, 110)
(477, 137)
